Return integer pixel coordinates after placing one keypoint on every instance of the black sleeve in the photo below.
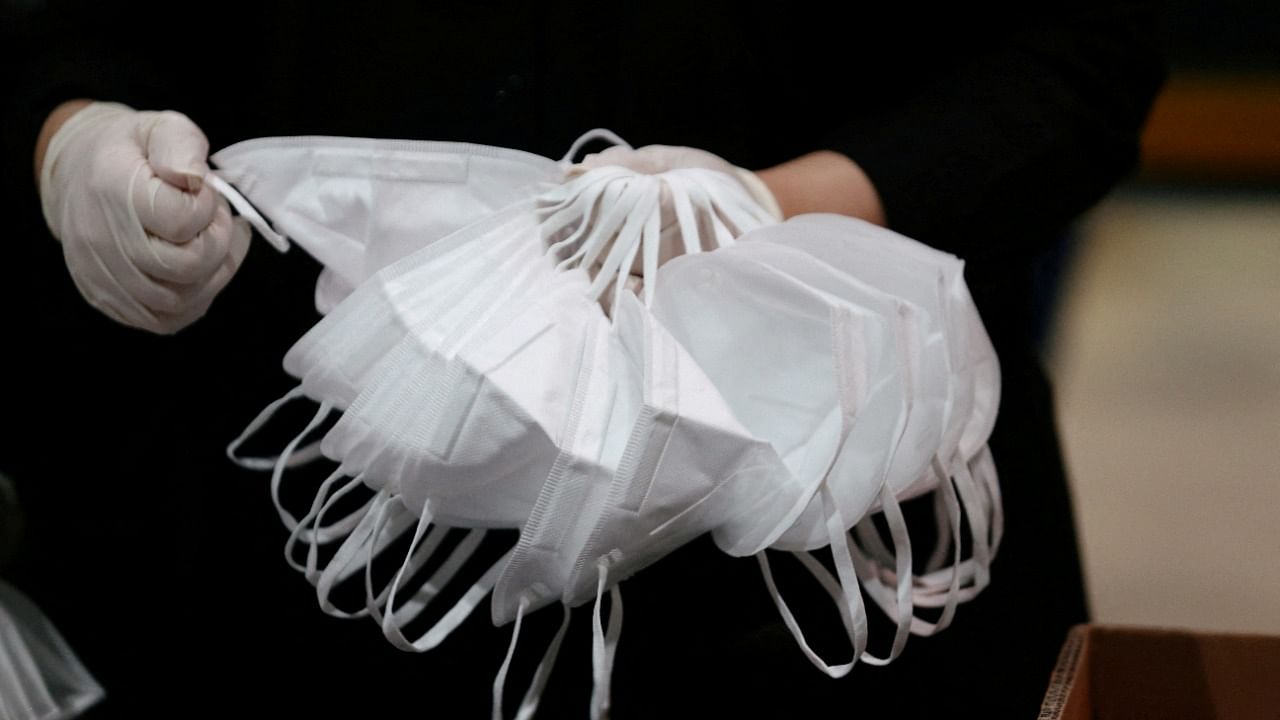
(1005, 149)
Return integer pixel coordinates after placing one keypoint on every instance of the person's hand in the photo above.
(146, 240)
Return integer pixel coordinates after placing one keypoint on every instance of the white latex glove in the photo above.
(147, 241)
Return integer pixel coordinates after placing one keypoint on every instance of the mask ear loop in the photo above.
(277, 474)
(529, 705)
(312, 572)
(393, 619)
(589, 136)
(732, 203)
(604, 644)
(651, 241)
(298, 458)
(562, 204)
(845, 592)
(473, 598)
(708, 219)
(628, 238)
(316, 534)
(685, 218)
(365, 544)
(247, 211)
(620, 198)
(943, 519)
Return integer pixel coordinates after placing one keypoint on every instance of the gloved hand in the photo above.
(146, 240)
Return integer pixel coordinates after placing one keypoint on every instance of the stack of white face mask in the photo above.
(496, 361)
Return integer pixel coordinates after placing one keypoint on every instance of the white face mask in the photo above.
(40, 677)
(738, 309)
(920, 349)
(768, 342)
(894, 263)
(934, 281)
(359, 204)
(432, 358)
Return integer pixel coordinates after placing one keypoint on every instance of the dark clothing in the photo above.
(985, 132)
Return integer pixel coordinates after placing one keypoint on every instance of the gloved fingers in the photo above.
(169, 212)
(176, 149)
(203, 296)
(190, 263)
(95, 275)
(109, 256)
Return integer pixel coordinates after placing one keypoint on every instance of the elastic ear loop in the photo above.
(360, 549)
(596, 223)
(533, 695)
(394, 619)
(704, 205)
(299, 457)
(590, 135)
(581, 210)
(568, 201)
(943, 518)
(247, 211)
(846, 592)
(731, 202)
(354, 519)
(277, 474)
(615, 210)
(685, 219)
(627, 241)
(940, 587)
(651, 241)
(604, 644)
(321, 535)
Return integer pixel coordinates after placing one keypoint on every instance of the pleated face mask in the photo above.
(358, 204)
(895, 263)
(781, 353)
(920, 352)
(40, 677)
(688, 467)
(484, 385)
(932, 280)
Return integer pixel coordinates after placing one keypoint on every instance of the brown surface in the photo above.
(1115, 673)
(1215, 128)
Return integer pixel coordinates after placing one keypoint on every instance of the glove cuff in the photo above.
(87, 116)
